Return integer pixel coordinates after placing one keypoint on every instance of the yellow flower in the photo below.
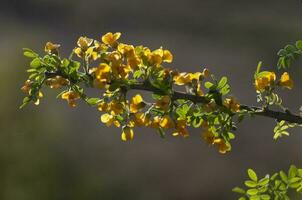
(102, 75)
(133, 61)
(83, 48)
(71, 97)
(195, 76)
(52, 48)
(84, 43)
(286, 81)
(56, 82)
(140, 119)
(40, 95)
(125, 49)
(155, 122)
(116, 107)
(103, 106)
(92, 53)
(167, 56)
(156, 57)
(181, 129)
(265, 81)
(121, 71)
(98, 46)
(164, 103)
(137, 103)
(109, 120)
(114, 57)
(182, 78)
(166, 122)
(208, 136)
(127, 133)
(111, 39)
(222, 146)
(232, 104)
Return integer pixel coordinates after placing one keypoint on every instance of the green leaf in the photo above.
(264, 181)
(250, 183)
(137, 74)
(252, 192)
(299, 44)
(35, 63)
(290, 48)
(225, 90)
(65, 63)
(223, 81)
(238, 190)
(93, 101)
(231, 135)
(265, 197)
(255, 197)
(300, 172)
(161, 132)
(208, 85)
(252, 174)
(283, 176)
(29, 53)
(292, 172)
(258, 69)
(25, 101)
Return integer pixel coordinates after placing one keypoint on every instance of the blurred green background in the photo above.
(57, 153)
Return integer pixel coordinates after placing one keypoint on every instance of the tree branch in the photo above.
(278, 115)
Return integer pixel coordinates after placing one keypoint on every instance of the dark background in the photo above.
(57, 153)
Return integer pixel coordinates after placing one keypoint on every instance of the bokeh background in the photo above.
(52, 152)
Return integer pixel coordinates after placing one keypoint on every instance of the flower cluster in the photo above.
(267, 80)
(115, 68)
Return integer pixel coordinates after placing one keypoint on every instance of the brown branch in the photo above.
(278, 115)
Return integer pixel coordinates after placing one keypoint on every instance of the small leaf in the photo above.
(292, 172)
(252, 174)
(250, 183)
(208, 85)
(223, 81)
(238, 190)
(29, 53)
(161, 132)
(35, 63)
(299, 44)
(252, 192)
(93, 101)
(264, 181)
(265, 197)
(283, 176)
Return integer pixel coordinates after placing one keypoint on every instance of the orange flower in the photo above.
(127, 133)
(286, 81)
(265, 81)
(111, 39)
(164, 103)
(137, 103)
(52, 48)
(56, 82)
(71, 97)
(232, 104)
(222, 146)
(181, 128)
